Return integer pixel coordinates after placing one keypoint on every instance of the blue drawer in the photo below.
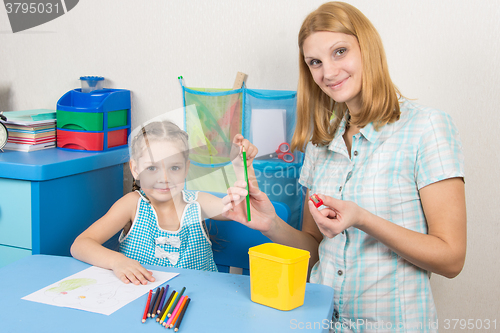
(10, 254)
(15, 213)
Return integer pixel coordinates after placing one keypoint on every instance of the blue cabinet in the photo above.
(49, 197)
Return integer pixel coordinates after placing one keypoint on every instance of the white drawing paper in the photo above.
(95, 289)
(268, 129)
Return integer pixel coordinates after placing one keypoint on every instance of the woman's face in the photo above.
(334, 60)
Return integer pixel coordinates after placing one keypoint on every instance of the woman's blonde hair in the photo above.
(379, 95)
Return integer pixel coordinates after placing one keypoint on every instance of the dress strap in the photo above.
(189, 196)
(143, 195)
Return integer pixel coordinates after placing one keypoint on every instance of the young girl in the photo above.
(162, 224)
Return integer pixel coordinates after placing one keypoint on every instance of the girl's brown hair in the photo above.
(379, 95)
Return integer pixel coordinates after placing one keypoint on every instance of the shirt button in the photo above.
(339, 272)
(340, 189)
(336, 315)
(355, 153)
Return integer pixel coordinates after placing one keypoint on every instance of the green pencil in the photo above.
(174, 302)
(248, 185)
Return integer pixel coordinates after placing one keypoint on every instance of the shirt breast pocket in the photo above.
(372, 183)
(387, 181)
(380, 169)
(405, 207)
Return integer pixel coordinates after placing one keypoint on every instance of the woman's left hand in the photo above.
(262, 212)
(337, 215)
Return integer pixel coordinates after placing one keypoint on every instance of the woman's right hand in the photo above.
(262, 211)
(130, 270)
(337, 215)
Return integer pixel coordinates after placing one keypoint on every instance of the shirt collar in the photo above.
(370, 133)
(337, 143)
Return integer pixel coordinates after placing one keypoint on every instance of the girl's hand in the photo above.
(130, 270)
(261, 209)
(336, 217)
(238, 143)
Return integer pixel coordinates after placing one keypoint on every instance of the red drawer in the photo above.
(117, 138)
(93, 141)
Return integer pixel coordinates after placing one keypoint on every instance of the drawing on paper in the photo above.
(96, 290)
(86, 292)
(71, 284)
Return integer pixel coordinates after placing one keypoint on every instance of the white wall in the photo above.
(443, 53)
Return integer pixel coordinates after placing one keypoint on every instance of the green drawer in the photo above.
(90, 121)
(10, 254)
(117, 118)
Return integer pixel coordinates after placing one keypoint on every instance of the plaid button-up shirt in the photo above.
(375, 289)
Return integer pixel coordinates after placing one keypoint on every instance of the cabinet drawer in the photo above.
(10, 254)
(91, 121)
(92, 141)
(15, 213)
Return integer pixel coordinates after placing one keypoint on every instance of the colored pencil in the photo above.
(248, 185)
(169, 306)
(147, 307)
(162, 301)
(174, 313)
(179, 320)
(157, 303)
(153, 301)
(176, 301)
(178, 312)
(165, 306)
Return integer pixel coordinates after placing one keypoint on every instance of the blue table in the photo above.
(220, 303)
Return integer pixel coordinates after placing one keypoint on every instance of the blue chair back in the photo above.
(231, 240)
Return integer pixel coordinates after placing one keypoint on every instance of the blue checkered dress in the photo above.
(372, 284)
(189, 247)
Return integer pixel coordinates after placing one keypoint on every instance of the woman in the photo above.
(390, 174)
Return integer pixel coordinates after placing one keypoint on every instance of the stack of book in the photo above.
(31, 130)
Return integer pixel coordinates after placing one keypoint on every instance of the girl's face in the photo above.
(161, 170)
(334, 60)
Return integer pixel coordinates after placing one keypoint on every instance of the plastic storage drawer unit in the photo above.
(95, 121)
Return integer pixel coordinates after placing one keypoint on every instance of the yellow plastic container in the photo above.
(278, 275)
